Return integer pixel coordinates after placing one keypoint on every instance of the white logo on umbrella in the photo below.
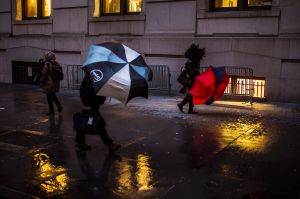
(97, 75)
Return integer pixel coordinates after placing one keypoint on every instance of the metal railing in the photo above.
(73, 75)
(161, 78)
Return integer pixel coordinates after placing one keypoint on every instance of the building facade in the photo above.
(261, 34)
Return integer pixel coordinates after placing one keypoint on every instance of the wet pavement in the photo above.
(227, 150)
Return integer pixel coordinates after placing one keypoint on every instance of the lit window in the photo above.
(134, 5)
(97, 8)
(117, 7)
(33, 9)
(18, 10)
(46, 8)
(223, 5)
(111, 6)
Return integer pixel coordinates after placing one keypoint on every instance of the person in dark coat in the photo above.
(92, 103)
(51, 87)
(194, 54)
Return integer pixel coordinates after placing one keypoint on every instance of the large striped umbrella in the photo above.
(117, 71)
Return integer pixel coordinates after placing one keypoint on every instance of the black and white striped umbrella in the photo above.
(117, 71)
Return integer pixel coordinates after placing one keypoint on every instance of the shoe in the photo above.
(113, 147)
(59, 109)
(180, 107)
(83, 147)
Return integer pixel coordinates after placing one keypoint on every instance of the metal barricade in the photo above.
(161, 78)
(73, 75)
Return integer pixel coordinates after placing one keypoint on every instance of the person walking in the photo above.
(51, 87)
(194, 54)
(92, 103)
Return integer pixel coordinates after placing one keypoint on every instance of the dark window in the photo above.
(223, 5)
(32, 9)
(120, 7)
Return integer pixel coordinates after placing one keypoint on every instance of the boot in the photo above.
(180, 107)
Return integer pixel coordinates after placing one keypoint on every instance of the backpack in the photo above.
(57, 73)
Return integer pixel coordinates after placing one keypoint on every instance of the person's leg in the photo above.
(80, 141)
(50, 104)
(57, 102)
(108, 141)
(104, 136)
(183, 102)
(191, 105)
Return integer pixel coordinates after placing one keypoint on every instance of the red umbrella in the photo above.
(204, 87)
(209, 86)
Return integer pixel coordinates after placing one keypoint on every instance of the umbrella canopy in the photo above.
(117, 71)
(222, 80)
(204, 86)
(209, 86)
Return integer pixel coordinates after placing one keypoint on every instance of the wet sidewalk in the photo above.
(227, 150)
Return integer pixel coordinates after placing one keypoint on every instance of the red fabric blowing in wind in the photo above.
(204, 87)
(221, 88)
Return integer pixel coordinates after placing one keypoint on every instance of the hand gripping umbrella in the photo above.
(117, 71)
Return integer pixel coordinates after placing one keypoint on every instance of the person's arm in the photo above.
(45, 68)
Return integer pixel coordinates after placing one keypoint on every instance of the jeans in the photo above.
(51, 97)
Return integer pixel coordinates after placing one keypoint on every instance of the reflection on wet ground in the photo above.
(53, 179)
(228, 150)
(134, 176)
(249, 135)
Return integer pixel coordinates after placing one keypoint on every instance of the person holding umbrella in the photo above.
(194, 54)
(115, 70)
(92, 103)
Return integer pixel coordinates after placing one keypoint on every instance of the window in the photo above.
(117, 7)
(223, 5)
(32, 9)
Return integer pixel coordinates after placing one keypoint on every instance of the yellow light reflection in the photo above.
(18, 10)
(124, 179)
(225, 3)
(97, 9)
(134, 5)
(144, 173)
(112, 6)
(54, 179)
(31, 10)
(130, 183)
(46, 8)
(251, 136)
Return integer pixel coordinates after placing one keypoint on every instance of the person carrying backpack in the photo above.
(54, 73)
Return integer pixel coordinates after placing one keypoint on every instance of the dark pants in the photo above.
(51, 97)
(188, 99)
(80, 137)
